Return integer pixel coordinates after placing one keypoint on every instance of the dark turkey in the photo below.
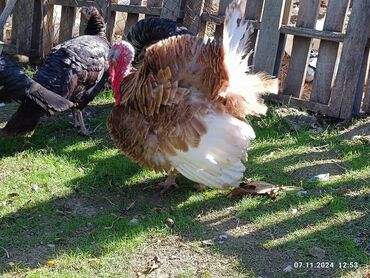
(151, 30)
(76, 70)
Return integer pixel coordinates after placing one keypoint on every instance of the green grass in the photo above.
(73, 198)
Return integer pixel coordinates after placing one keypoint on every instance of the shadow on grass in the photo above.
(101, 205)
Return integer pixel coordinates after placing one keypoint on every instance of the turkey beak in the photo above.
(113, 58)
(112, 61)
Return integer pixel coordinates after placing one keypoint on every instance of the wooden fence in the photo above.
(33, 22)
(338, 89)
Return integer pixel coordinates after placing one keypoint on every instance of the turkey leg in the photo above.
(168, 183)
(83, 129)
(76, 124)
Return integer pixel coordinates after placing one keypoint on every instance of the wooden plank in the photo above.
(312, 33)
(6, 10)
(282, 38)
(153, 4)
(72, 3)
(328, 52)
(105, 8)
(359, 91)
(301, 104)
(23, 10)
(221, 11)
(253, 11)
(48, 30)
(171, 9)
(111, 21)
(2, 7)
(317, 34)
(136, 9)
(268, 41)
(139, 9)
(209, 28)
(102, 6)
(83, 24)
(343, 93)
(67, 21)
(287, 12)
(360, 94)
(289, 30)
(216, 19)
(219, 20)
(37, 27)
(131, 17)
(366, 100)
(192, 17)
(307, 15)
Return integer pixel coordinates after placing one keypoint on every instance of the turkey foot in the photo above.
(167, 184)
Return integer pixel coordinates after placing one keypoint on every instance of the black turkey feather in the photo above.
(151, 30)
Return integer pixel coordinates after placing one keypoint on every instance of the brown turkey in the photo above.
(183, 110)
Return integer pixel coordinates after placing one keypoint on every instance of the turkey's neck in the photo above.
(95, 26)
(118, 74)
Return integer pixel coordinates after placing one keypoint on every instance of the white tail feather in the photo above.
(216, 162)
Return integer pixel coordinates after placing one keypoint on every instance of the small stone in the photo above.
(302, 194)
(207, 242)
(221, 239)
(35, 187)
(294, 211)
(11, 264)
(170, 222)
(134, 222)
(288, 269)
(51, 245)
(320, 178)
